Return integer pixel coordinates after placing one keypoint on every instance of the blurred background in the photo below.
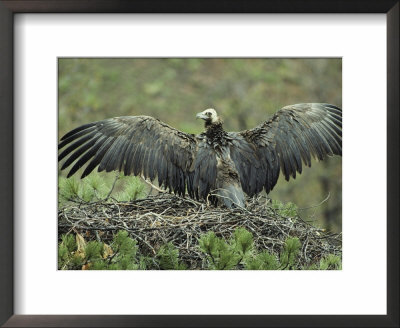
(245, 92)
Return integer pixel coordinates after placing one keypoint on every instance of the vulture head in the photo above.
(210, 116)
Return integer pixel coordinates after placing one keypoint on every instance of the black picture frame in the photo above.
(11, 7)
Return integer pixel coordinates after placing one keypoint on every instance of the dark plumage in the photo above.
(216, 164)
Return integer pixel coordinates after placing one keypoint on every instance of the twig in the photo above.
(319, 204)
(153, 186)
(112, 187)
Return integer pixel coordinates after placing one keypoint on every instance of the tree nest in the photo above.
(157, 220)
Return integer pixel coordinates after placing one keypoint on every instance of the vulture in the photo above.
(215, 165)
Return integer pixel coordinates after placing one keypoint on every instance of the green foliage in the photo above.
(168, 256)
(125, 249)
(93, 251)
(95, 255)
(121, 254)
(331, 262)
(68, 188)
(97, 186)
(123, 243)
(66, 248)
(262, 261)
(133, 189)
(235, 254)
(239, 253)
(75, 262)
(220, 254)
(290, 251)
(69, 242)
(243, 241)
(89, 189)
(63, 253)
(286, 210)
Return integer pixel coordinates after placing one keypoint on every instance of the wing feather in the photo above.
(290, 138)
(139, 145)
(205, 170)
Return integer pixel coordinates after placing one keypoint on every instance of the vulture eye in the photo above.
(209, 114)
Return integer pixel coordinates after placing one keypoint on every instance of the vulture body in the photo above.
(216, 165)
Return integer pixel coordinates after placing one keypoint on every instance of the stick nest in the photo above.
(157, 220)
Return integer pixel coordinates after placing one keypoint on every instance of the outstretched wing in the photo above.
(132, 144)
(291, 137)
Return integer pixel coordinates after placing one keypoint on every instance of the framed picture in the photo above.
(57, 62)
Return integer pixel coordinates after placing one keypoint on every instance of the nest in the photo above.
(157, 220)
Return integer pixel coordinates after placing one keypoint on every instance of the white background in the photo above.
(360, 288)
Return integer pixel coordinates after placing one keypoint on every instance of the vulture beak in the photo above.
(202, 116)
